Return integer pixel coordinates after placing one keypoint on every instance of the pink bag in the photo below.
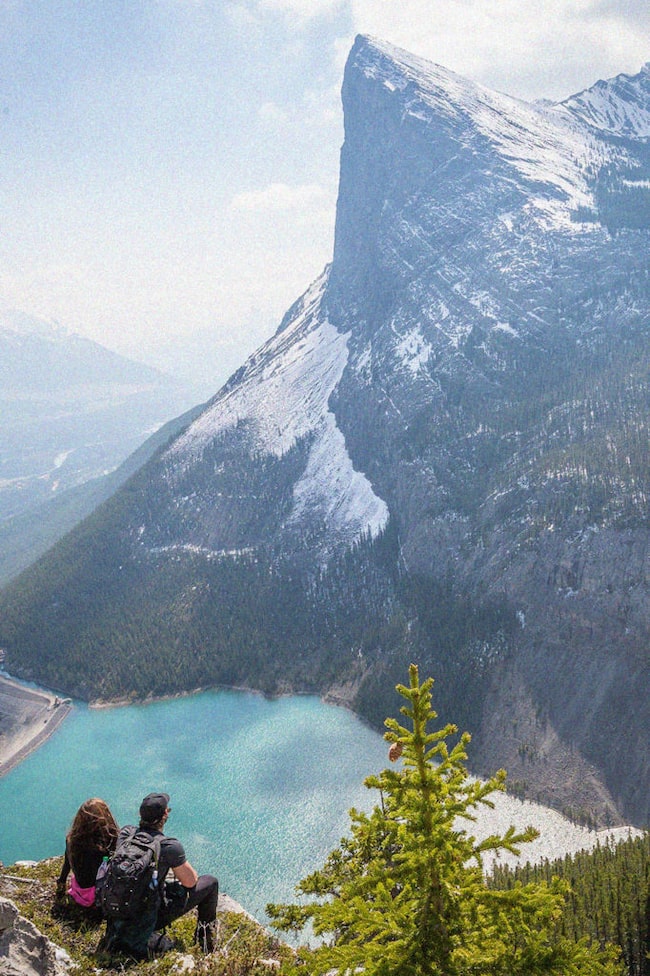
(82, 896)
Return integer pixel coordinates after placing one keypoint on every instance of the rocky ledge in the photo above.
(37, 938)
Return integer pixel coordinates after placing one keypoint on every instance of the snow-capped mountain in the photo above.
(620, 106)
(441, 455)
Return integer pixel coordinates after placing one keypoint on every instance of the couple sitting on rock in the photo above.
(94, 836)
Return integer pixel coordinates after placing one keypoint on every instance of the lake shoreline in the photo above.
(339, 696)
(31, 715)
(28, 717)
(151, 699)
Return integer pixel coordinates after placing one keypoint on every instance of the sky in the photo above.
(169, 168)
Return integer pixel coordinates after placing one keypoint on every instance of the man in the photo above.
(187, 890)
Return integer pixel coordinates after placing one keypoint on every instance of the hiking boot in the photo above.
(206, 936)
(157, 944)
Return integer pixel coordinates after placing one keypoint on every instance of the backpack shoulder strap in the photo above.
(155, 844)
(137, 835)
(129, 834)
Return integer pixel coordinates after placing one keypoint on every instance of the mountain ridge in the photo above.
(620, 105)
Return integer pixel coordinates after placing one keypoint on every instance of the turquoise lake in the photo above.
(259, 789)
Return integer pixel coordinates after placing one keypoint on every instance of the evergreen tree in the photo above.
(405, 893)
(610, 894)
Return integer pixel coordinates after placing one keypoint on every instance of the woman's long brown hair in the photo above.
(93, 828)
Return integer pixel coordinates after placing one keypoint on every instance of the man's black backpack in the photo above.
(129, 888)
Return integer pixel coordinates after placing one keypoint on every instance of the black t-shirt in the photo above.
(172, 852)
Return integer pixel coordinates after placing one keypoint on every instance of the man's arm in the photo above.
(186, 874)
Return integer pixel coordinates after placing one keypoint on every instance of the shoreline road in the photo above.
(28, 717)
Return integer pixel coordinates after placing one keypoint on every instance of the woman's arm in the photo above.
(65, 871)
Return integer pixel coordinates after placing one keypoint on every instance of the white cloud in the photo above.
(272, 113)
(248, 13)
(279, 197)
(243, 18)
(551, 48)
(323, 106)
(302, 9)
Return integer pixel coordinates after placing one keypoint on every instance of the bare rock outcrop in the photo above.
(24, 951)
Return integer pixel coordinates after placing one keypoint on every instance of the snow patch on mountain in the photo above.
(505, 327)
(341, 497)
(413, 350)
(284, 388)
(283, 396)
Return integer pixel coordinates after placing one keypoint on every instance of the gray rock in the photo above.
(24, 951)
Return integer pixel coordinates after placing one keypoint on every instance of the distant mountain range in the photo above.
(441, 455)
(72, 411)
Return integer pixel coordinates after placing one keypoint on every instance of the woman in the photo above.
(91, 838)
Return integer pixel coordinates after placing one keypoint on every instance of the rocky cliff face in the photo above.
(491, 261)
(441, 454)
